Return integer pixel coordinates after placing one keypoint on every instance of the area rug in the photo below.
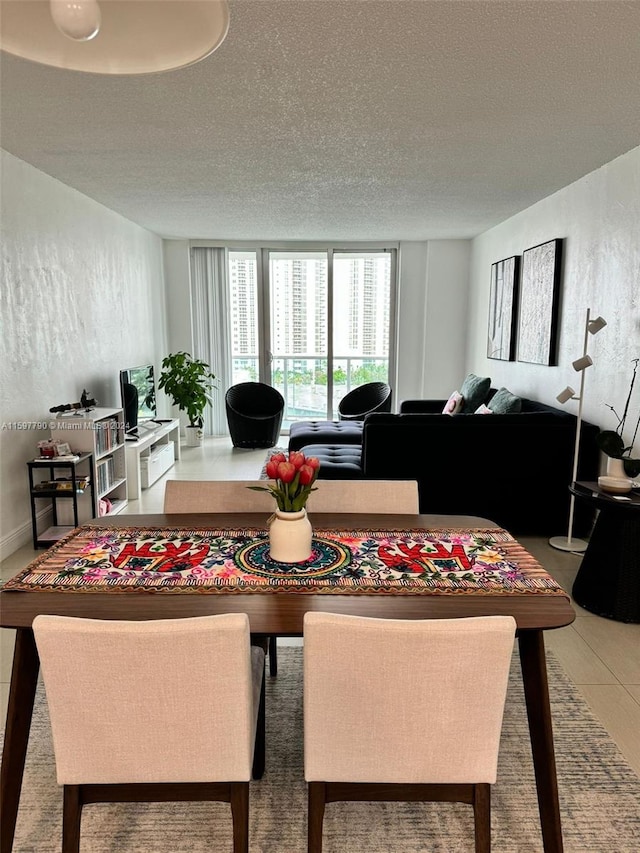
(271, 452)
(599, 793)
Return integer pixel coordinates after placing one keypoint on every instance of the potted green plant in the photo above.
(611, 442)
(189, 382)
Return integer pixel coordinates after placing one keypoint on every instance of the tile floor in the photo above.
(601, 656)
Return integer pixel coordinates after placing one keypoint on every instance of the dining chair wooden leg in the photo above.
(317, 800)
(273, 656)
(482, 817)
(240, 816)
(259, 747)
(71, 817)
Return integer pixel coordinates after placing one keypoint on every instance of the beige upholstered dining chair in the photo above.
(379, 496)
(118, 695)
(399, 691)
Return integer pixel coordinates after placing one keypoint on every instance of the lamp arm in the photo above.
(576, 449)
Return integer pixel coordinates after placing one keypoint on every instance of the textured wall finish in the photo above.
(81, 297)
(599, 218)
(344, 119)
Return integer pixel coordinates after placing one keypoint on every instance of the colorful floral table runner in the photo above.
(397, 562)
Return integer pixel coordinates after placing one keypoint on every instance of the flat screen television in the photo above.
(138, 389)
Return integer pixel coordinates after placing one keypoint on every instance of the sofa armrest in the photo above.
(422, 407)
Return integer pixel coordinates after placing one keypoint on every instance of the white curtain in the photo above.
(210, 324)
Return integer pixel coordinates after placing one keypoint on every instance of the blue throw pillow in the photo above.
(504, 402)
(474, 390)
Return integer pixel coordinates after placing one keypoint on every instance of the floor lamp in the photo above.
(580, 365)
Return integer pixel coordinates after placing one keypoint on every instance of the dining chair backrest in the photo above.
(420, 705)
(420, 701)
(216, 496)
(371, 496)
(150, 701)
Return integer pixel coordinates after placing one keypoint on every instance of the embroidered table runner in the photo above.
(180, 560)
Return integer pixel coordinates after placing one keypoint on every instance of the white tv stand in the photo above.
(151, 455)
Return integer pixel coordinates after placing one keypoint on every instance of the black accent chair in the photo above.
(254, 414)
(372, 397)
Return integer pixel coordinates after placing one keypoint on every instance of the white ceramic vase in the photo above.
(290, 536)
(615, 468)
(616, 480)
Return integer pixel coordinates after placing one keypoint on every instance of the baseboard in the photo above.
(22, 535)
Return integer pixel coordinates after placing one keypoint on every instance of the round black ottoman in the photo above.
(337, 462)
(324, 432)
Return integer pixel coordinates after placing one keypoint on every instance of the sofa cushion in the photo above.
(454, 404)
(474, 390)
(483, 410)
(504, 402)
(337, 462)
(324, 432)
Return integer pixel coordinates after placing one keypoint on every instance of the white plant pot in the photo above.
(616, 480)
(290, 536)
(193, 436)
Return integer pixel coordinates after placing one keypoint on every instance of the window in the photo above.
(313, 323)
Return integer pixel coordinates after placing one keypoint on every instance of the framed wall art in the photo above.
(503, 301)
(539, 302)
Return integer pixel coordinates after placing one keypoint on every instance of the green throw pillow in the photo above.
(504, 402)
(474, 390)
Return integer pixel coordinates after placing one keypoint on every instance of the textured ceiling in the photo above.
(346, 120)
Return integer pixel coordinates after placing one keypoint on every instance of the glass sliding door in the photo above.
(361, 320)
(244, 319)
(299, 333)
(314, 323)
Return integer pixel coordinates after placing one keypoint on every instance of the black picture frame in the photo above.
(539, 303)
(503, 305)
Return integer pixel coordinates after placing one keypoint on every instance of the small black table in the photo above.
(53, 493)
(608, 580)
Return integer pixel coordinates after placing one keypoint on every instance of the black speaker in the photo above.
(130, 403)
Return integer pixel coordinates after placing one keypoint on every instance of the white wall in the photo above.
(599, 219)
(177, 268)
(81, 297)
(432, 318)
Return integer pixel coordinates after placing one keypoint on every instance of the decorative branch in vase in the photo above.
(290, 531)
(611, 442)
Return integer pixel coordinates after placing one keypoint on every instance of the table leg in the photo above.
(24, 678)
(536, 691)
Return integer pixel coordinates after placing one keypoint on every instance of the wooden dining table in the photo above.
(281, 614)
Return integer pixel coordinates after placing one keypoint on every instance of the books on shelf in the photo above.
(107, 436)
(105, 470)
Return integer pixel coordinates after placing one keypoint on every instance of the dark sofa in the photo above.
(513, 469)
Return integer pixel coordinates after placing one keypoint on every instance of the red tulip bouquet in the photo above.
(294, 478)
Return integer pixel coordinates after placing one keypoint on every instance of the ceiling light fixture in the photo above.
(76, 19)
(113, 36)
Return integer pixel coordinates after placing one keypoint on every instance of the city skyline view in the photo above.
(304, 339)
